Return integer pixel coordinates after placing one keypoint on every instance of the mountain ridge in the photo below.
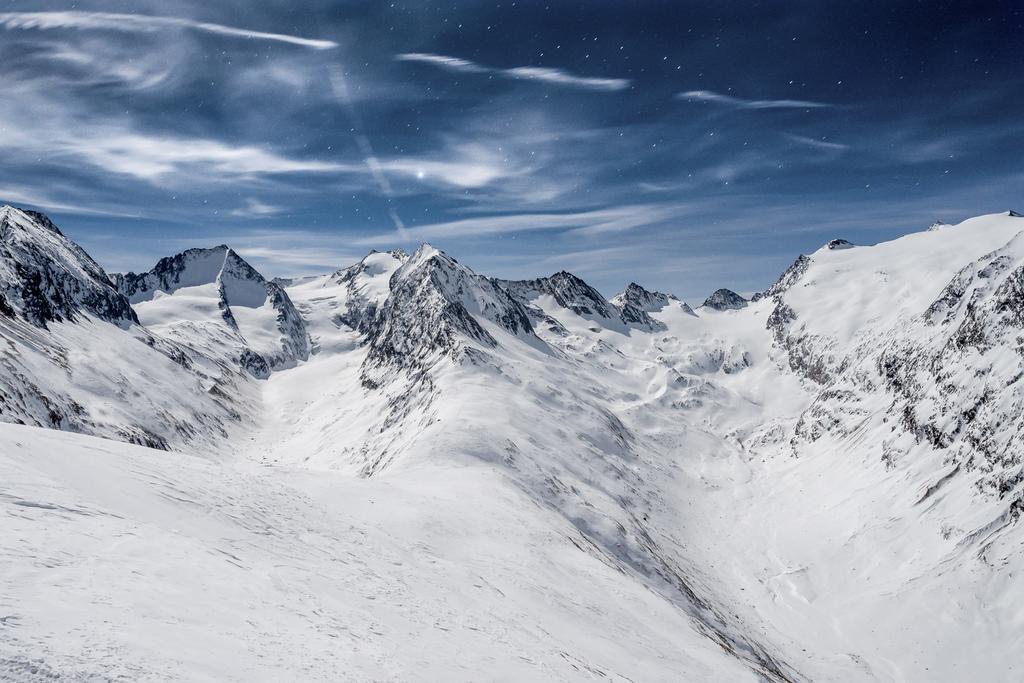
(772, 473)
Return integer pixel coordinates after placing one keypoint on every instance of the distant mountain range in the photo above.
(408, 470)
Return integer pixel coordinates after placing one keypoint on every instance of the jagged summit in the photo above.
(567, 291)
(839, 244)
(45, 277)
(435, 306)
(724, 300)
(636, 303)
(645, 300)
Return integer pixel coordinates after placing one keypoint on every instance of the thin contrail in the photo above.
(340, 89)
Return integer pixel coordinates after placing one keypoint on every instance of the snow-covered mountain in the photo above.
(215, 295)
(442, 475)
(75, 357)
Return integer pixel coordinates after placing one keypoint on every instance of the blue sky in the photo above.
(684, 145)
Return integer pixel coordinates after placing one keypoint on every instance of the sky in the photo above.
(683, 145)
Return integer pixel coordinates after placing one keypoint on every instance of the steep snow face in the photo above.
(213, 299)
(919, 363)
(367, 286)
(45, 277)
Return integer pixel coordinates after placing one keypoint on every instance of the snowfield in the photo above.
(406, 470)
(123, 562)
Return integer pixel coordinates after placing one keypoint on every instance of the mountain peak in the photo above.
(217, 283)
(45, 277)
(636, 303)
(435, 306)
(568, 291)
(724, 300)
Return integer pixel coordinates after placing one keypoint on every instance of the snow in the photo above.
(126, 563)
(475, 479)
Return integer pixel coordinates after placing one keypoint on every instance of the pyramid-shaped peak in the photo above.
(189, 268)
(724, 300)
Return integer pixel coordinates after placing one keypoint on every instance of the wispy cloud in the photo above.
(527, 73)
(154, 158)
(108, 21)
(254, 208)
(594, 222)
(450, 63)
(33, 197)
(559, 77)
(740, 103)
(817, 143)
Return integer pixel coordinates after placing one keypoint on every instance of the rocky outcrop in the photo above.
(45, 277)
(433, 310)
(724, 300)
(635, 304)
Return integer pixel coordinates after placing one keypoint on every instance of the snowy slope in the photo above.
(820, 483)
(123, 563)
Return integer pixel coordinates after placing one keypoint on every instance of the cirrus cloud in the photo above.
(110, 21)
(523, 73)
(740, 103)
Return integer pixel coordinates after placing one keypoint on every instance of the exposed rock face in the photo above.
(724, 300)
(45, 277)
(568, 291)
(788, 278)
(839, 244)
(433, 309)
(957, 385)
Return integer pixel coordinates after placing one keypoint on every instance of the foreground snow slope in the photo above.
(821, 483)
(122, 562)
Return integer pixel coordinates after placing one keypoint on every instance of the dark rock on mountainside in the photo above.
(45, 277)
(788, 278)
(636, 304)
(724, 300)
(433, 309)
(568, 291)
